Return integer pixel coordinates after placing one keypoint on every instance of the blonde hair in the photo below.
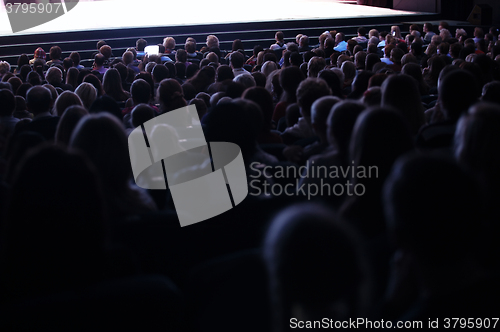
(87, 93)
(396, 29)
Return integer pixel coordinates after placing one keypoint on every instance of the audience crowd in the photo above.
(81, 245)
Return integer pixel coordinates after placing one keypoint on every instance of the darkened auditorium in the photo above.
(256, 166)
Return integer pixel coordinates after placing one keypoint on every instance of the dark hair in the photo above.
(181, 55)
(122, 69)
(106, 104)
(170, 95)
(257, 49)
(140, 91)
(260, 78)
(72, 77)
(112, 85)
(237, 45)
(203, 78)
(180, 69)
(24, 71)
(296, 59)
(371, 60)
(414, 70)
(238, 121)
(160, 72)
(38, 100)
(99, 59)
(290, 79)
(55, 52)
(308, 91)
(140, 114)
(64, 100)
(340, 123)
(92, 79)
(192, 69)
(23, 90)
(15, 83)
(333, 82)
(402, 93)
(67, 63)
(23, 60)
(224, 72)
(491, 92)
(140, 44)
(263, 98)
(8, 104)
(313, 262)
(75, 56)
(100, 44)
(188, 91)
(458, 90)
(103, 139)
(237, 59)
(172, 70)
(67, 123)
(360, 84)
(443, 236)
(59, 239)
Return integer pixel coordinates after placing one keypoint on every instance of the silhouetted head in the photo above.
(360, 84)
(59, 239)
(238, 121)
(38, 100)
(314, 266)
(160, 72)
(442, 231)
(477, 140)
(491, 92)
(290, 78)
(141, 114)
(112, 83)
(69, 119)
(236, 59)
(64, 100)
(340, 124)
(380, 136)
(320, 111)
(102, 138)
(8, 104)
(224, 72)
(106, 104)
(263, 98)
(457, 92)
(140, 92)
(87, 93)
(308, 91)
(201, 106)
(94, 80)
(170, 95)
(401, 92)
(333, 81)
